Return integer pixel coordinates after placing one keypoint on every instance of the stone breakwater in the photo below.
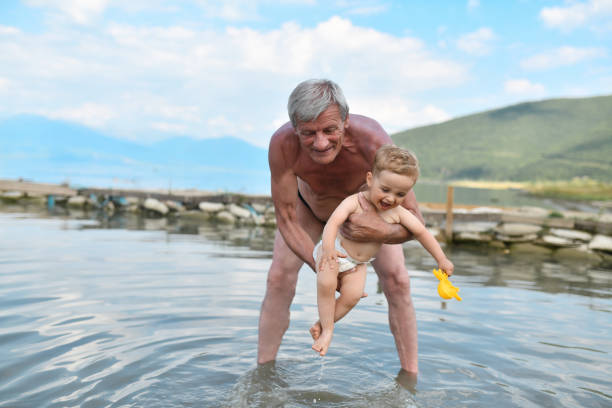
(528, 229)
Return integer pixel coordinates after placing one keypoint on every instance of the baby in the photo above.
(342, 262)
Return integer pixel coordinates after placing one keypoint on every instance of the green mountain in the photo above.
(556, 139)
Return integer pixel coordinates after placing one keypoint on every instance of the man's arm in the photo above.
(368, 226)
(284, 195)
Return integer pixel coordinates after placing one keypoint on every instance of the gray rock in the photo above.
(238, 211)
(174, 206)
(532, 211)
(211, 207)
(571, 234)
(270, 220)
(485, 210)
(516, 229)
(607, 217)
(78, 201)
(109, 207)
(527, 247)
(12, 196)
(516, 238)
(132, 200)
(474, 227)
(155, 205)
(225, 217)
(556, 242)
(580, 253)
(601, 243)
(259, 219)
(472, 237)
(195, 215)
(260, 208)
(133, 208)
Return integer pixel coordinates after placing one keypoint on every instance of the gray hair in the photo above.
(310, 98)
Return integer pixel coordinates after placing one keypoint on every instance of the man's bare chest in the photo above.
(337, 179)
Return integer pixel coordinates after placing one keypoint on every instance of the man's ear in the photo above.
(346, 122)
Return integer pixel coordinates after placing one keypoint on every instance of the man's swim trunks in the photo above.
(308, 206)
(344, 264)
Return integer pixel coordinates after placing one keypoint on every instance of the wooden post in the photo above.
(448, 231)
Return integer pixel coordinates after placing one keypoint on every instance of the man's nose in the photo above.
(320, 140)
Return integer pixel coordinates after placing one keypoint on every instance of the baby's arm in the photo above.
(348, 206)
(412, 223)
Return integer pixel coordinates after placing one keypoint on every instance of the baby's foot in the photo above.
(315, 330)
(322, 343)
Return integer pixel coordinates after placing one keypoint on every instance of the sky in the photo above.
(147, 70)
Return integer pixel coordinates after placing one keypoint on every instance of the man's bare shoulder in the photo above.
(368, 128)
(284, 146)
(367, 134)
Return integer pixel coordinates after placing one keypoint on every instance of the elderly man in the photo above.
(316, 160)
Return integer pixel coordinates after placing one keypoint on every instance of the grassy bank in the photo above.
(579, 188)
(576, 189)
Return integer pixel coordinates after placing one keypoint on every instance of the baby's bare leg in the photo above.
(327, 277)
(351, 290)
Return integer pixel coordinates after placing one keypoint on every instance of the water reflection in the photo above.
(130, 311)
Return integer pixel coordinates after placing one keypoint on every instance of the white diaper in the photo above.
(344, 264)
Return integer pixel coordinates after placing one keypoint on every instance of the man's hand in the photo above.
(369, 226)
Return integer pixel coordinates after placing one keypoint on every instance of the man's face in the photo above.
(322, 138)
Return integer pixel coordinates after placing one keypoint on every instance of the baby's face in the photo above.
(388, 189)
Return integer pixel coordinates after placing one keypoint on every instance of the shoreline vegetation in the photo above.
(578, 189)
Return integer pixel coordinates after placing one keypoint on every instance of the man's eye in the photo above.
(329, 131)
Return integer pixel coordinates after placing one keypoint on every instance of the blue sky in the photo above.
(146, 70)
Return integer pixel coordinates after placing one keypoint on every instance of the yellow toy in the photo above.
(446, 290)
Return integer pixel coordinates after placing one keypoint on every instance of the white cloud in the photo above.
(206, 83)
(4, 83)
(577, 14)
(90, 114)
(562, 56)
(524, 87)
(79, 11)
(8, 30)
(477, 43)
(473, 4)
(396, 114)
(368, 10)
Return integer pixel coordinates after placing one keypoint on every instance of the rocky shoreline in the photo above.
(578, 235)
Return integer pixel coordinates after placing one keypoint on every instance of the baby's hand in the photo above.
(447, 266)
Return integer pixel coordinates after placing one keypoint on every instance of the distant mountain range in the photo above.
(46, 150)
(555, 139)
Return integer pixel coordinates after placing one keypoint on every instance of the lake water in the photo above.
(129, 312)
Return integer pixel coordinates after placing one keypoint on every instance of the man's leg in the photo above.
(395, 281)
(280, 288)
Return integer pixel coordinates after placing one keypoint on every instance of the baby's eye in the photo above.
(401, 194)
(385, 190)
